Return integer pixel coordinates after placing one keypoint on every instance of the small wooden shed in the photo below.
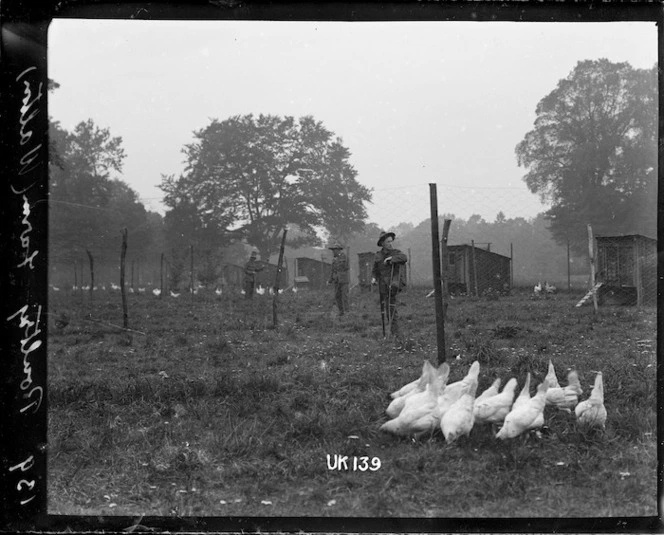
(316, 271)
(234, 275)
(627, 269)
(472, 270)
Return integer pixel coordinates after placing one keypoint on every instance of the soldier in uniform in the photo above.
(339, 277)
(389, 272)
(250, 270)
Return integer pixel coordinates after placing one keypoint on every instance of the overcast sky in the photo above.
(415, 102)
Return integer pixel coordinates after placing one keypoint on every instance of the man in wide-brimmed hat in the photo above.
(389, 271)
(250, 269)
(339, 277)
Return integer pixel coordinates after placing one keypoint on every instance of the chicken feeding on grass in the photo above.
(420, 413)
(173, 294)
(592, 412)
(538, 288)
(551, 376)
(490, 392)
(527, 413)
(549, 288)
(429, 375)
(217, 291)
(565, 398)
(494, 409)
(452, 392)
(458, 420)
(156, 291)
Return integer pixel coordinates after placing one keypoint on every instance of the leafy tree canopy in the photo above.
(593, 152)
(257, 175)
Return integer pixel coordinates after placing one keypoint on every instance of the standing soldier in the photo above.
(339, 277)
(250, 270)
(389, 271)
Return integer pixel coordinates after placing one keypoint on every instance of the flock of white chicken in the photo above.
(429, 403)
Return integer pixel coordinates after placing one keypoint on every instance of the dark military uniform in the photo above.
(391, 279)
(250, 270)
(340, 279)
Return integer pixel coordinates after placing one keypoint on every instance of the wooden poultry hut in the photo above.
(316, 272)
(472, 270)
(627, 269)
(234, 275)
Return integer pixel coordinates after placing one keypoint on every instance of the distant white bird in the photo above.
(243, 292)
(141, 290)
(74, 287)
(281, 290)
(114, 286)
(565, 397)
(55, 288)
(458, 420)
(527, 414)
(592, 412)
(549, 288)
(494, 409)
(103, 287)
(131, 290)
(86, 287)
(173, 294)
(538, 288)
(294, 289)
(271, 290)
(217, 291)
(156, 291)
(260, 290)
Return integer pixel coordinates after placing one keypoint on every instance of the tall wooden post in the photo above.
(445, 264)
(123, 256)
(275, 295)
(92, 272)
(569, 277)
(591, 251)
(472, 254)
(75, 278)
(437, 283)
(511, 267)
(161, 276)
(410, 269)
(191, 271)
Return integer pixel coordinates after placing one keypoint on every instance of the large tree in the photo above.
(257, 175)
(88, 203)
(593, 152)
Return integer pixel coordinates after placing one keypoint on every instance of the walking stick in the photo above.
(389, 301)
(382, 312)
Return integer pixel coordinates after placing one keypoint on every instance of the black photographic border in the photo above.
(23, 242)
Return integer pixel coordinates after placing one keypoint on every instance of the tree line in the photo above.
(592, 154)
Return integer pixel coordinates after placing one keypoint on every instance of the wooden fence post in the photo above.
(437, 283)
(191, 271)
(445, 264)
(275, 296)
(92, 272)
(123, 255)
(591, 251)
(472, 254)
(161, 276)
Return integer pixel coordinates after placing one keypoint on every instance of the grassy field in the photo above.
(209, 410)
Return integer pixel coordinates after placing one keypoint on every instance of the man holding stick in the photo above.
(389, 272)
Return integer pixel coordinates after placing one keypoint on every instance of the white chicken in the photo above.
(156, 291)
(217, 291)
(419, 415)
(429, 375)
(493, 409)
(592, 412)
(538, 288)
(458, 420)
(452, 392)
(527, 414)
(566, 397)
(489, 392)
(417, 383)
(551, 376)
(174, 294)
(260, 290)
(549, 288)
